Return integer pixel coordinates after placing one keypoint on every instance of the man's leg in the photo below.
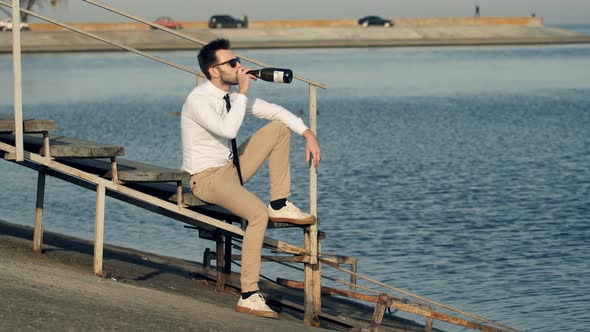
(221, 186)
(272, 141)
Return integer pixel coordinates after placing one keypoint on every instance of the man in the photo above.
(210, 120)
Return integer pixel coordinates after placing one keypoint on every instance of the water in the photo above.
(459, 174)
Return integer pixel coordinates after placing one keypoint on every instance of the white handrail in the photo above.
(17, 74)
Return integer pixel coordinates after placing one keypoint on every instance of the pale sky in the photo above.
(553, 11)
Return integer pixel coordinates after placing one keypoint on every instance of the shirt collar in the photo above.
(215, 91)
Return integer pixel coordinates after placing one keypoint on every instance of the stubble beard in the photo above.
(231, 81)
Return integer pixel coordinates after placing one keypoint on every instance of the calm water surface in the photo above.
(459, 174)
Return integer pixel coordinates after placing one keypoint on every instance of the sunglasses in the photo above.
(232, 62)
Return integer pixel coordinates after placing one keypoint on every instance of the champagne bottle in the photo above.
(277, 75)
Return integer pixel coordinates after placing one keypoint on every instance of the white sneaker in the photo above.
(291, 214)
(255, 305)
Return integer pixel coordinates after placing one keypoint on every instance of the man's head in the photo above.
(218, 62)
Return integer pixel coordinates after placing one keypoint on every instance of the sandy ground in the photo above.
(57, 291)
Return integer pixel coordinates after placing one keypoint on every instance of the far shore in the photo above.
(301, 34)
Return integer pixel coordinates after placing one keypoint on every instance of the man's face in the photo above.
(224, 70)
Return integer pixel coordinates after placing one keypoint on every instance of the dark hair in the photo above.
(207, 57)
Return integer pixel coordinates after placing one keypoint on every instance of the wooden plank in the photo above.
(29, 125)
(67, 147)
(466, 323)
(9, 149)
(129, 170)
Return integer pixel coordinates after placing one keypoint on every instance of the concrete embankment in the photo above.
(296, 34)
(57, 291)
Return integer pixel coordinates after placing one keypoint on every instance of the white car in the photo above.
(7, 26)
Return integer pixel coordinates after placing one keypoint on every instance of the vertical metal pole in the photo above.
(312, 272)
(18, 96)
(38, 231)
(353, 268)
(179, 194)
(227, 258)
(308, 314)
(46, 147)
(220, 285)
(429, 324)
(380, 307)
(99, 229)
(114, 172)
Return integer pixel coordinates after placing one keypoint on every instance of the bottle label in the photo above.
(278, 76)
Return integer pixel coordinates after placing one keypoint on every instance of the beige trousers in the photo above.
(221, 186)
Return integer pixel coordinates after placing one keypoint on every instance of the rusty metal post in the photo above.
(219, 263)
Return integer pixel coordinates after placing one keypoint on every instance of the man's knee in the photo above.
(258, 216)
(280, 128)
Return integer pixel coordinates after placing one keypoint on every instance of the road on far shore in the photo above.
(304, 37)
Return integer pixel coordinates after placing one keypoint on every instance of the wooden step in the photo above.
(156, 181)
(67, 147)
(129, 170)
(29, 125)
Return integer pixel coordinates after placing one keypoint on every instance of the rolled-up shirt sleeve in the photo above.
(265, 110)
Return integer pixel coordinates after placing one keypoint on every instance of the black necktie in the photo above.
(234, 145)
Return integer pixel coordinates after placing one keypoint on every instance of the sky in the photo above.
(553, 11)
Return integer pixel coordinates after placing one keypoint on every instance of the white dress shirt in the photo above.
(207, 128)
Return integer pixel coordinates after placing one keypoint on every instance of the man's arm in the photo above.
(202, 110)
(266, 110)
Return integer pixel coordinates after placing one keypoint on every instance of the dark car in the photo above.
(375, 21)
(168, 22)
(226, 21)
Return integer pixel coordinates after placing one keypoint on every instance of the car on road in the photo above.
(227, 21)
(7, 25)
(375, 21)
(168, 22)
